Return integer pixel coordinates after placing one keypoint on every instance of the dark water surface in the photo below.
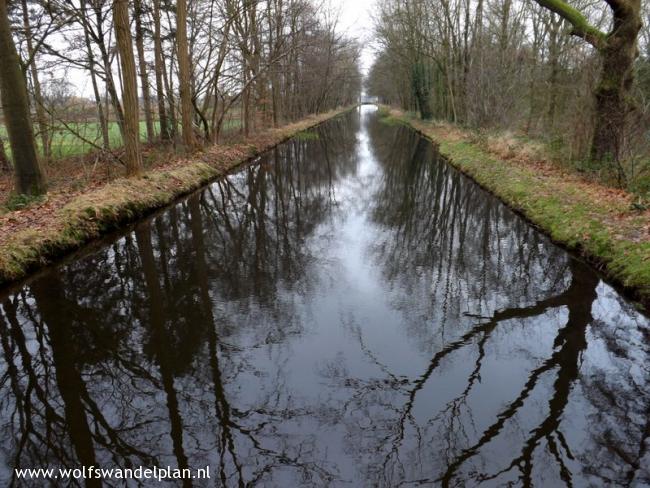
(350, 311)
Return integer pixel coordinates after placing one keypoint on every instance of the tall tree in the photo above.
(159, 69)
(184, 74)
(41, 117)
(103, 122)
(101, 38)
(618, 51)
(29, 176)
(129, 88)
(142, 65)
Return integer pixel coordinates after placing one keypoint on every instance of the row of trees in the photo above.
(182, 66)
(545, 67)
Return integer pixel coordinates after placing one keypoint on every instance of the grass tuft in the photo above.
(307, 135)
(22, 201)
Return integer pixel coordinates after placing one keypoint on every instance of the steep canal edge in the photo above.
(581, 216)
(101, 210)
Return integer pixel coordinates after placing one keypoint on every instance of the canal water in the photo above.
(348, 311)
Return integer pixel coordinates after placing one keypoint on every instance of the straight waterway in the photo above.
(348, 311)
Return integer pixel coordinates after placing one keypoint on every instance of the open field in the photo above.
(81, 206)
(78, 138)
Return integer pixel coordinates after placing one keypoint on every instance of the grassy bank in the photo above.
(600, 223)
(68, 218)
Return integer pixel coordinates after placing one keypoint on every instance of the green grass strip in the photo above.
(574, 219)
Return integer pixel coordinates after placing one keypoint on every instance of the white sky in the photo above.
(356, 19)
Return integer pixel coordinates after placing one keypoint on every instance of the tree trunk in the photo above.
(41, 116)
(159, 68)
(618, 51)
(108, 70)
(29, 176)
(275, 34)
(169, 88)
(129, 88)
(144, 81)
(184, 74)
(554, 63)
(246, 102)
(103, 123)
(5, 167)
(420, 84)
(613, 95)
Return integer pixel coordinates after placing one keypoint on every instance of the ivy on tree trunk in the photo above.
(618, 51)
(420, 84)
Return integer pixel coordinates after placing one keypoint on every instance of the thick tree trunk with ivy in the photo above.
(29, 176)
(129, 88)
(420, 85)
(613, 95)
(618, 51)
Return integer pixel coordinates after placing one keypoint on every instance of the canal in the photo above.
(347, 311)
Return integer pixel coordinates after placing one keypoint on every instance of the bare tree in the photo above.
(29, 176)
(41, 116)
(184, 74)
(159, 69)
(129, 88)
(142, 65)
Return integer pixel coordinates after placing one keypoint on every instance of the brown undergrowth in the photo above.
(85, 201)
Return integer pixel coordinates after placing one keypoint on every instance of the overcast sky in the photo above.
(356, 18)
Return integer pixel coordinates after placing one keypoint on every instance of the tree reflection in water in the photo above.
(348, 311)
